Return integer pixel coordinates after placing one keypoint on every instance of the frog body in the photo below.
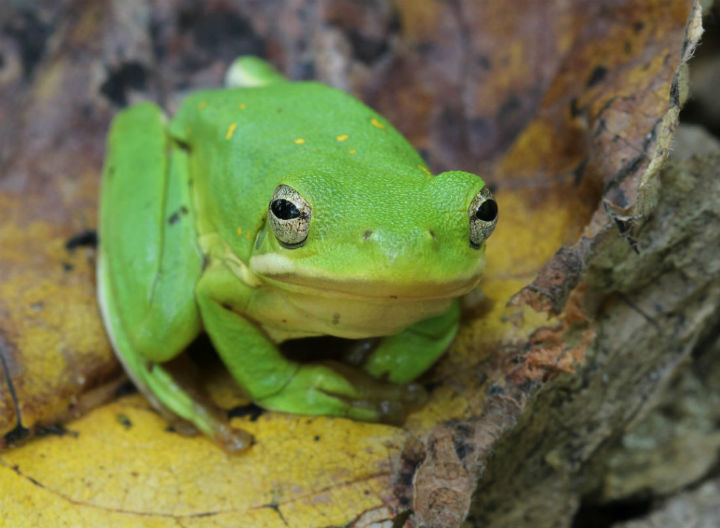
(277, 210)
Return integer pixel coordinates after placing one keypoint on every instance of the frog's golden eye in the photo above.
(482, 214)
(289, 215)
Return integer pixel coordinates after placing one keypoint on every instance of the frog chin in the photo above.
(283, 273)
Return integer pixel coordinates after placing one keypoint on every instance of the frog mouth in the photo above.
(373, 290)
(369, 288)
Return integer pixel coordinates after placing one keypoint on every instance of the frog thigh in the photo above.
(402, 357)
(149, 256)
(149, 263)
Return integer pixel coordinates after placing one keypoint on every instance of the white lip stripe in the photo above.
(283, 272)
(274, 264)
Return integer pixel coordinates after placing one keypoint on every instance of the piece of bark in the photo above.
(674, 445)
(693, 140)
(699, 508)
(677, 442)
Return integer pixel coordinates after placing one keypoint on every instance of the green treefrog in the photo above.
(272, 210)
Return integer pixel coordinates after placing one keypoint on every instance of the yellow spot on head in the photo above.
(242, 106)
(247, 235)
(239, 231)
(230, 130)
(342, 137)
(202, 105)
(188, 130)
(352, 151)
(377, 123)
(425, 170)
(299, 141)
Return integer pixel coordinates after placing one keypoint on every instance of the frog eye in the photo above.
(482, 214)
(289, 215)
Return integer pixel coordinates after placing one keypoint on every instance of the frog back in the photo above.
(242, 142)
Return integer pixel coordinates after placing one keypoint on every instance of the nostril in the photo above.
(392, 240)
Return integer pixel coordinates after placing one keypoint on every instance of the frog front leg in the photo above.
(277, 383)
(149, 262)
(403, 357)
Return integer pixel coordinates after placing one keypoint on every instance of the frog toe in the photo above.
(335, 390)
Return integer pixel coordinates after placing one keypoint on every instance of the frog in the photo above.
(271, 210)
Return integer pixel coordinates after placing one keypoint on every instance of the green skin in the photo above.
(187, 245)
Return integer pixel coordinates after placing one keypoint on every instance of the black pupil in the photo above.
(487, 212)
(284, 210)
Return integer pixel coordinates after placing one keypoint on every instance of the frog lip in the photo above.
(372, 289)
(416, 286)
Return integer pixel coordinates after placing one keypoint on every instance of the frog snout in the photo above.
(382, 235)
(392, 242)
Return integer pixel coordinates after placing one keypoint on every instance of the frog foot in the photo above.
(230, 439)
(334, 389)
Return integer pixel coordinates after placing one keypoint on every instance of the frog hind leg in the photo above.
(248, 71)
(277, 383)
(148, 265)
(403, 357)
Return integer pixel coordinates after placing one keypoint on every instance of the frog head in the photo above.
(376, 230)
